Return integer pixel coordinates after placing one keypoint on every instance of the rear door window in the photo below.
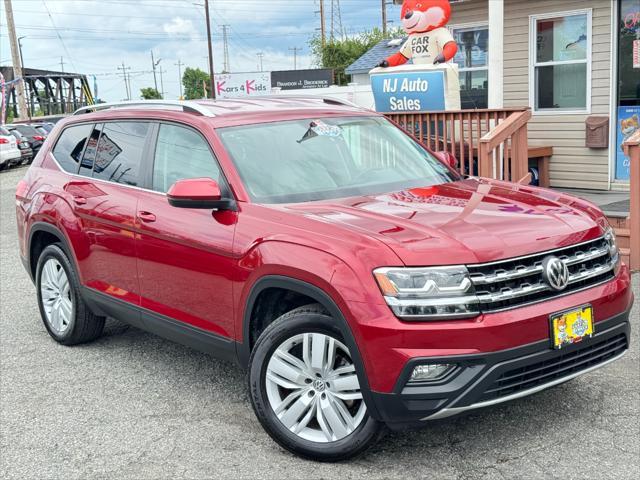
(70, 147)
(119, 153)
(181, 153)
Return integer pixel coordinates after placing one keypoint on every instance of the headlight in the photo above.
(433, 293)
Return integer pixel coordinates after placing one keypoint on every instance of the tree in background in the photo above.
(150, 93)
(338, 54)
(194, 81)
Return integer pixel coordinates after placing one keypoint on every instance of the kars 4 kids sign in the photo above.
(409, 92)
(234, 85)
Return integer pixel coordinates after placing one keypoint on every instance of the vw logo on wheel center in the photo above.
(555, 273)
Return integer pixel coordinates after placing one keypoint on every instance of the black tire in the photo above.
(84, 325)
(306, 319)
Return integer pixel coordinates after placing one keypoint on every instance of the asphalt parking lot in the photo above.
(132, 405)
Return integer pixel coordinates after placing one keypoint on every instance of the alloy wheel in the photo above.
(313, 388)
(55, 292)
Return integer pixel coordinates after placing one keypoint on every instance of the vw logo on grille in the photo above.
(555, 273)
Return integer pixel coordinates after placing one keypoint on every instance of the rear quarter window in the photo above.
(118, 157)
(70, 147)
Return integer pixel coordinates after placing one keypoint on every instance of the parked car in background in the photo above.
(9, 151)
(35, 137)
(45, 127)
(24, 145)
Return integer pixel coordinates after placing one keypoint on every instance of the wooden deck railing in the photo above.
(487, 142)
(632, 150)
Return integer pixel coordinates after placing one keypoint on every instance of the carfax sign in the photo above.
(408, 92)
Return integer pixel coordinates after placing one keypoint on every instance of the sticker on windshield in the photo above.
(318, 128)
(324, 130)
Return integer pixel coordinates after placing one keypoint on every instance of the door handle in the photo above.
(147, 217)
(79, 200)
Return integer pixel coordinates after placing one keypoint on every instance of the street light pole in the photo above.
(211, 80)
(20, 48)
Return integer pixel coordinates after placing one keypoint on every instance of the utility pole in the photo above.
(211, 80)
(384, 17)
(260, 57)
(62, 64)
(225, 44)
(124, 75)
(295, 51)
(23, 112)
(179, 65)
(323, 30)
(161, 82)
(153, 65)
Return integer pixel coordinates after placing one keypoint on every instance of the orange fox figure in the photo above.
(429, 41)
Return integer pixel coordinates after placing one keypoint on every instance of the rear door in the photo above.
(185, 259)
(105, 197)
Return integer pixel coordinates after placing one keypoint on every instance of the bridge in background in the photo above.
(49, 93)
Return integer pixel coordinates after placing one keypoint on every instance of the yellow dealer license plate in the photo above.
(572, 326)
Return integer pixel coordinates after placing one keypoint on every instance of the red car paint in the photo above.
(199, 266)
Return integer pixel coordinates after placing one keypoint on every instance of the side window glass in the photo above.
(181, 153)
(86, 165)
(70, 145)
(118, 157)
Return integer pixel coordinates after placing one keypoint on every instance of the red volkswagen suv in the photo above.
(361, 281)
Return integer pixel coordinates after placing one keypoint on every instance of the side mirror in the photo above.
(448, 159)
(203, 193)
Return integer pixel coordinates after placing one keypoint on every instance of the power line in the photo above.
(58, 34)
(127, 86)
(295, 51)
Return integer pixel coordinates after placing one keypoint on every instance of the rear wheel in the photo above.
(305, 389)
(65, 315)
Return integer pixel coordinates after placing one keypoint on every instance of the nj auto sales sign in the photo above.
(235, 85)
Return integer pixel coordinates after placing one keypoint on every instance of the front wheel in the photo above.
(305, 390)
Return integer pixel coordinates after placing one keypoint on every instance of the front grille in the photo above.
(533, 375)
(515, 282)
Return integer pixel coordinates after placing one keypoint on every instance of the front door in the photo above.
(185, 257)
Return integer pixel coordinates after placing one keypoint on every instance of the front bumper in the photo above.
(492, 378)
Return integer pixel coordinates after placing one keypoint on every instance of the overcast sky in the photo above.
(95, 37)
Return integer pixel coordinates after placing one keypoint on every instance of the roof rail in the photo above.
(186, 106)
(340, 101)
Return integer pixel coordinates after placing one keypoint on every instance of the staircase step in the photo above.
(622, 232)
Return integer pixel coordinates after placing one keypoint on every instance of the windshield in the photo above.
(320, 159)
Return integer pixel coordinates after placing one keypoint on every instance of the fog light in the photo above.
(432, 372)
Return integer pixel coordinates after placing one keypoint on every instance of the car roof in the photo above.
(226, 112)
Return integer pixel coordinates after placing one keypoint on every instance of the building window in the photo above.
(560, 67)
(473, 65)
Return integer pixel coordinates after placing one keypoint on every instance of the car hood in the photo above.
(469, 221)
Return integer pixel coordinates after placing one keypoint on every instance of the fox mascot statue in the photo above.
(429, 41)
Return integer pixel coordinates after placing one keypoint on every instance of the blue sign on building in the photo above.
(408, 92)
(628, 124)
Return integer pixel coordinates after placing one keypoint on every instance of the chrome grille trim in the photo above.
(510, 283)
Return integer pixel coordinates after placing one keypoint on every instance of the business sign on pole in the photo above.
(302, 79)
(409, 92)
(628, 124)
(235, 85)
